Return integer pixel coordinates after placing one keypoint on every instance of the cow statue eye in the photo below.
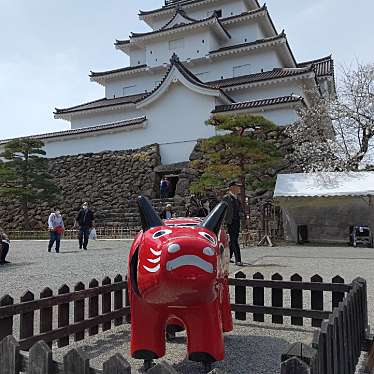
(208, 237)
(161, 233)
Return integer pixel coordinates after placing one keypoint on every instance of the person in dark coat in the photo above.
(4, 248)
(85, 221)
(233, 217)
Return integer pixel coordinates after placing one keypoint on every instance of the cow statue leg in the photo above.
(204, 331)
(147, 332)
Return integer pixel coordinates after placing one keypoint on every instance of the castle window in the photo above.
(241, 70)
(128, 90)
(176, 44)
(203, 41)
(150, 52)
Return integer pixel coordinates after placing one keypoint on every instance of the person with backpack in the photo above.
(56, 228)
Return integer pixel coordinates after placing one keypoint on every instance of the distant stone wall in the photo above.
(109, 181)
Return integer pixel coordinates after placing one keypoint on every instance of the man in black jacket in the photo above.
(85, 220)
(233, 216)
(4, 248)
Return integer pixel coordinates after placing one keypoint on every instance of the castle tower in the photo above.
(199, 57)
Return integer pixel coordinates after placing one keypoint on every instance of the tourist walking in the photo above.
(164, 188)
(4, 248)
(85, 221)
(56, 228)
(233, 216)
(167, 213)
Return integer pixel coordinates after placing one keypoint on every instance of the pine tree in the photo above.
(24, 175)
(236, 153)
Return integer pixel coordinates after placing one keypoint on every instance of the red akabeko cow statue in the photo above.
(178, 276)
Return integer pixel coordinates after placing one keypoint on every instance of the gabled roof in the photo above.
(145, 97)
(131, 123)
(323, 66)
(254, 104)
(191, 80)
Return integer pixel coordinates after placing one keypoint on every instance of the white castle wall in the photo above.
(264, 59)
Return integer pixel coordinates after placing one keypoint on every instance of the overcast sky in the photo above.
(48, 47)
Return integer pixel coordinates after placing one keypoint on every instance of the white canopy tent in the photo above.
(327, 204)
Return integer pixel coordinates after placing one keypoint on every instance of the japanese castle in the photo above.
(199, 57)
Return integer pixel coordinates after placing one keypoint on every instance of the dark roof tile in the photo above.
(257, 103)
(90, 129)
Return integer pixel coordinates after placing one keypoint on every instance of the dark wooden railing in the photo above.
(315, 288)
(71, 314)
(39, 361)
(55, 312)
(337, 346)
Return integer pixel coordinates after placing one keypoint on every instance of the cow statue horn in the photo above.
(148, 215)
(214, 220)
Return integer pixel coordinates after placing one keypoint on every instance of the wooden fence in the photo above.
(39, 361)
(337, 346)
(71, 314)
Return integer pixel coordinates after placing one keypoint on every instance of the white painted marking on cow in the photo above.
(173, 248)
(156, 253)
(152, 270)
(189, 260)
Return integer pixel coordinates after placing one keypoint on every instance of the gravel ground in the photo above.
(33, 268)
(245, 349)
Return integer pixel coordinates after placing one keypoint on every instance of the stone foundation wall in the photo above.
(109, 181)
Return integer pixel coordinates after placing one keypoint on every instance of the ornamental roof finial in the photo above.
(174, 59)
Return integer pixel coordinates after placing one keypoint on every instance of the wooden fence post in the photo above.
(40, 359)
(76, 362)
(258, 298)
(118, 300)
(316, 300)
(79, 311)
(106, 304)
(9, 354)
(46, 314)
(127, 300)
(277, 299)
(337, 297)
(240, 296)
(294, 366)
(93, 307)
(322, 348)
(116, 365)
(63, 316)
(364, 302)
(296, 300)
(6, 324)
(26, 322)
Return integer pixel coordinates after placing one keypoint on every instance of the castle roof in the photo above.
(310, 69)
(255, 104)
(129, 124)
(170, 5)
(323, 66)
(192, 23)
(105, 104)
